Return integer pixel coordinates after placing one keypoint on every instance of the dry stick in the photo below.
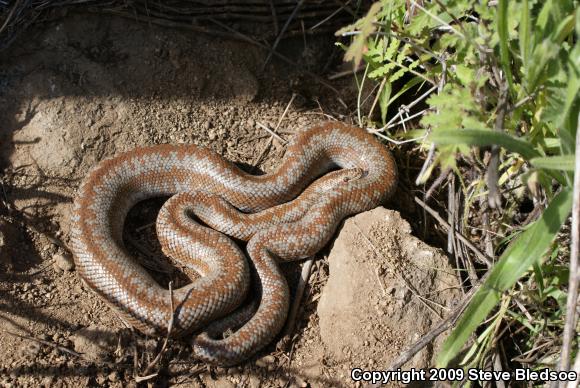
(274, 134)
(270, 140)
(436, 331)
(494, 197)
(408, 118)
(426, 165)
(247, 39)
(574, 279)
(329, 17)
(274, 18)
(279, 37)
(304, 276)
(574, 384)
(431, 153)
(147, 372)
(463, 239)
(451, 216)
(437, 182)
(10, 14)
(402, 109)
(394, 141)
(47, 343)
(346, 73)
(262, 154)
(347, 8)
(285, 111)
(498, 367)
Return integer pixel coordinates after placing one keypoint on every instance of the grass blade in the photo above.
(561, 162)
(502, 30)
(483, 137)
(525, 33)
(526, 250)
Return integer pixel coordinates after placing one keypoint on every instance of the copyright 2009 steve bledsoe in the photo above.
(458, 374)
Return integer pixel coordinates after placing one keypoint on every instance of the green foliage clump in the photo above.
(507, 75)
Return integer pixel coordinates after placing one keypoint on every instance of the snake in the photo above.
(329, 171)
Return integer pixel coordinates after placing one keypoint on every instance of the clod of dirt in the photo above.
(63, 263)
(29, 350)
(385, 290)
(96, 343)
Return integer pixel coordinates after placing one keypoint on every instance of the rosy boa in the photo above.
(280, 219)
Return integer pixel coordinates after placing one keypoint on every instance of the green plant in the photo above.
(507, 76)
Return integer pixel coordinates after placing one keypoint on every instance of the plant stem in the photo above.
(571, 304)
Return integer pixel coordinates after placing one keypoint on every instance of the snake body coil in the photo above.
(283, 216)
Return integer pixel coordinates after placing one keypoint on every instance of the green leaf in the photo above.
(384, 99)
(525, 33)
(542, 20)
(410, 84)
(560, 162)
(502, 29)
(527, 249)
(565, 28)
(367, 27)
(465, 74)
(542, 54)
(483, 137)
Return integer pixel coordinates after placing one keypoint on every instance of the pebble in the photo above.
(47, 381)
(63, 263)
(265, 361)
(300, 382)
(254, 382)
(113, 377)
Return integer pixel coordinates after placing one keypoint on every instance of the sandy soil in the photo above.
(83, 89)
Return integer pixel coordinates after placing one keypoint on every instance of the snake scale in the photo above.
(329, 171)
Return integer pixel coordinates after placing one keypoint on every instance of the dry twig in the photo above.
(304, 276)
(147, 375)
(463, 239)
(574, 279)
(281, 34)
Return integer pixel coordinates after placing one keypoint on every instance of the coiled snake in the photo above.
(283, 216)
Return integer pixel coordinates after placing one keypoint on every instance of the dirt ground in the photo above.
(81, 89)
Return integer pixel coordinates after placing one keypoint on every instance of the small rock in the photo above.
(254, 382)
(29, 349)
(300, 382)
(113, 377)
(47, 381)
(265, 361)
(63, 263)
